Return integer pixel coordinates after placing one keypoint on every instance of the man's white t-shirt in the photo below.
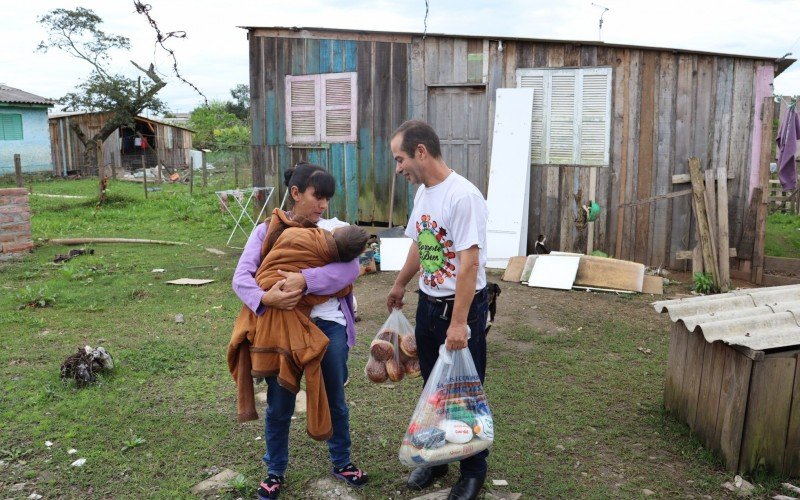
(329, 310)
(447, 218)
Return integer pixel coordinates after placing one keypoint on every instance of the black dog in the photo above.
(494, 291)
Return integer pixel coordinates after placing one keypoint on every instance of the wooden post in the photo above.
(18, 170)
(697, 259)
(767, 112)
(158, 167)
(698, 196)
(191, 174)
(722, 227)
(99, 159)
(205, 170)
(144, 169)
(235, 173)
(391, 197)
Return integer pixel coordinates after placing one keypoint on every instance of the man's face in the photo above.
(407, 166)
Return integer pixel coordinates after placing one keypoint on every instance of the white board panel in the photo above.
(554, 271)
(509, 177)
(394, 252)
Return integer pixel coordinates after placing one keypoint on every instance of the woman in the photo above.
(310, 187)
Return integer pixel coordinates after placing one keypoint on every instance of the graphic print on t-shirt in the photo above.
(435, 252)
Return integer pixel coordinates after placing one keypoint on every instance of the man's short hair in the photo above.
(350, 242)
(417, 132)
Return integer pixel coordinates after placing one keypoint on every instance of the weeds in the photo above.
(133, 442)
(35, 297)
(704, 283)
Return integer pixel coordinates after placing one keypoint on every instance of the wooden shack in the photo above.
(612, 123)
(150, 143)
(733, 375)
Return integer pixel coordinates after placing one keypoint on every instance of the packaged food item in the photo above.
(393, 351)
(452, 419)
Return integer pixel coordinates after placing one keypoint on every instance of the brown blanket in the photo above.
(285, 343)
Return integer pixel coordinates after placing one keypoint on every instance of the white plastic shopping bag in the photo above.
(393, 351)
(452, 420)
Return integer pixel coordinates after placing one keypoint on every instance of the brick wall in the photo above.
(15, 222)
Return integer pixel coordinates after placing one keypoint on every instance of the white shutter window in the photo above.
(321, 108)
(339, 107)
(302, 109)
(561, 140)
(536, 82)
(595, 117)
(570, 116)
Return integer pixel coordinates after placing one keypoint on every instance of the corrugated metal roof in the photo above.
(67, 114)
(17, 96)
(757, 318)
(781, 63)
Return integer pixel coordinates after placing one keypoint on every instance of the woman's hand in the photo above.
(279, 299)
(293, 281)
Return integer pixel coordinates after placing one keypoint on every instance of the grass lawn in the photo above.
(578, 408)
(783, 235)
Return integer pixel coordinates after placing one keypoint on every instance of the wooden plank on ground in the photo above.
(653, 285)
(768, 410)
(781, 265)
(722, 225)
(514, 268)
(732, 407)
(526, 270)
(610, 273)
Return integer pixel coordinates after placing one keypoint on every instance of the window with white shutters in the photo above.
(321, 108)
(571, 115)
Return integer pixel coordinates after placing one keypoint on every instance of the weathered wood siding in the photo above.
(67, 149)
(666, 106)
(363, 170)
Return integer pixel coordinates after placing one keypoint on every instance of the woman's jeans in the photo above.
(280, 405)
(433, 319)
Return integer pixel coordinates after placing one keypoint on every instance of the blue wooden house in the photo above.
(24, 130)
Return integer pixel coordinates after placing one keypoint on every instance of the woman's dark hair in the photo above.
(350, 242)
(306, 174)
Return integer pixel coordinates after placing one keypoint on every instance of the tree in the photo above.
(241, 102)
(209, 121)
(77, 32)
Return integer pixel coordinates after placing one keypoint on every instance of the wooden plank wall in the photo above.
(666, 107)
(362, 170)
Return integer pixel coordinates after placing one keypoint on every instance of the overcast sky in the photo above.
(213, 56)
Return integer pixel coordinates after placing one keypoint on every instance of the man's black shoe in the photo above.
(467, 488)
(421, 478)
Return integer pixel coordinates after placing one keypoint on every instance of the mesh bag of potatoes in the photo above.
(393, 351)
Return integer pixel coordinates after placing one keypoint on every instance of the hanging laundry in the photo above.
(144, 142)
(137, 142)
(787, 149)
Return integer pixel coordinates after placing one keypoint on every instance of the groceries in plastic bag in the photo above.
(452, 420)
(393, 352)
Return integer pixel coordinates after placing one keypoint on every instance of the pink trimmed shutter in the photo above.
(339, 98)
(303, 118)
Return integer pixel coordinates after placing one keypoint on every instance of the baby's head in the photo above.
(350, 242)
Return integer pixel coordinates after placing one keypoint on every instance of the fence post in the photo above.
(191, 174)
(18, 170)
(144, 169)
(235, 173)
(205, 171)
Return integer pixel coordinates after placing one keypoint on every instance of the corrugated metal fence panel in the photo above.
(760, 319)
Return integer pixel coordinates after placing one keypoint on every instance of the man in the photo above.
(448, 224)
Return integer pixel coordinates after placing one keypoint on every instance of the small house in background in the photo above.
(612, 123)
(23, 130)
(733, 375)
(152, 142)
